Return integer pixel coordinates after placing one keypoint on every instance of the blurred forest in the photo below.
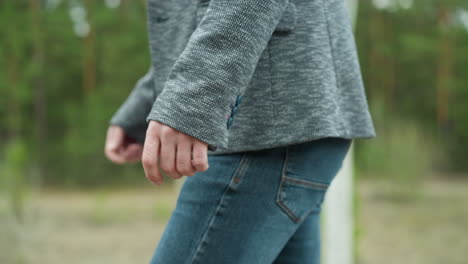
(66, 66)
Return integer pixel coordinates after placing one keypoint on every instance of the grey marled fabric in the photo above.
(250, 74)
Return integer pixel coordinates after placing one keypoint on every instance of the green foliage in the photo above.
(13, 176)
(63, 120)
(13, 195)
(42, 67)
(401, 154)
(408, 56)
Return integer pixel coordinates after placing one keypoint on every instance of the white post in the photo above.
(338, 221)
(338, 228)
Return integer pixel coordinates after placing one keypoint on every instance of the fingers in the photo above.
(132, 153)
(150, 159)
(200, 156)
(184, 157)
(114, 144)
(118, 149)
(168, 153)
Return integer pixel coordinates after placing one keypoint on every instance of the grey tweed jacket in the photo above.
(250, 74)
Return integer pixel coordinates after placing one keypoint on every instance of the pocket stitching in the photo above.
(239, 172)
(306, 184)
(278, 199)
(303, 183)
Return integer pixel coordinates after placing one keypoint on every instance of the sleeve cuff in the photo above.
(137, 132)
(194, 118)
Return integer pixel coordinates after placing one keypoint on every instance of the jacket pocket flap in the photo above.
(287, 21)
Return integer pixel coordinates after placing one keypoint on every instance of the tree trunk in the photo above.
(40, 90)
(89, 56)
(444, 67)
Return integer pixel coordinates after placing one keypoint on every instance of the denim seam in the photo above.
(240, 169)
(280, 188)
(307, 184)
(239, 174)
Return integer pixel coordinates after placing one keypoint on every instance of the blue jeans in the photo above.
(254, 207)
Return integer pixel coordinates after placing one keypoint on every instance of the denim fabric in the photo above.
(254, 207)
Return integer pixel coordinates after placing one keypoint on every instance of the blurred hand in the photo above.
(120, 148)
(175, 153)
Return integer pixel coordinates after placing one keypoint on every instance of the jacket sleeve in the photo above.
(211, 74)
(132, 113)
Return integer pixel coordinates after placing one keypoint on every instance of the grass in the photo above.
(124, 226)
(89, 227)
(429, 229)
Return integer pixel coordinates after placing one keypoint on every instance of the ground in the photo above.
(431, 229)
(123, 226)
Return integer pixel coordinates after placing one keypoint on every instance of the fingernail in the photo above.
(154, 182)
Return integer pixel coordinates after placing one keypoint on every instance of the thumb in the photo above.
(115, 138)
(114, 144)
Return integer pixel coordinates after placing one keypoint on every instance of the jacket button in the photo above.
(229, 122)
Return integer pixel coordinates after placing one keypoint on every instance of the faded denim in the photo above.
(254, 207)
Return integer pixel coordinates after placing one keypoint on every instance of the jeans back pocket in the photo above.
(308, 171)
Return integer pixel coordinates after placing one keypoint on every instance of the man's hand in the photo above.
(172, 151)
(120, 148)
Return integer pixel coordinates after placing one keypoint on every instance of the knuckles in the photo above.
(185, 169)
(167, 131)
(168, 168)
(199, 164)
(147, 162)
